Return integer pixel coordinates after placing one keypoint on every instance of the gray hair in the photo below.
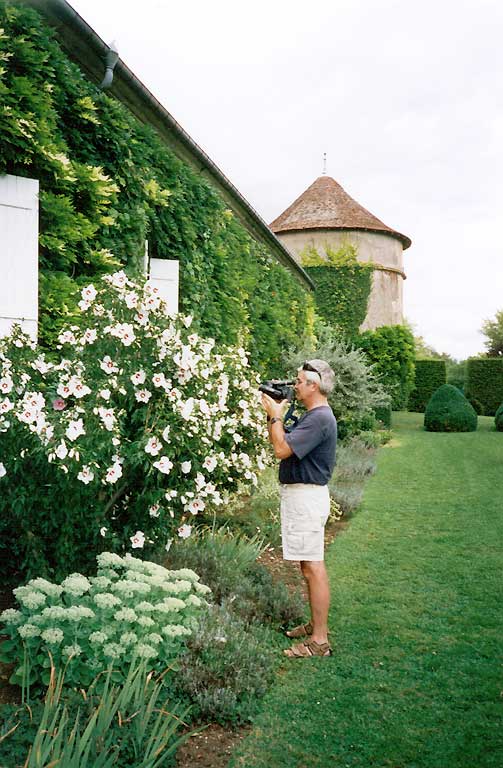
(323, 375)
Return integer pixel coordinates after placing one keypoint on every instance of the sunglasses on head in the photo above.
(308, 367)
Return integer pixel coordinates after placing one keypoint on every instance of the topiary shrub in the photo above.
(449, 411)
(476, 404)
(484, 381)
(498, 419)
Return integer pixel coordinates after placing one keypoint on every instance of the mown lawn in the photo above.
(417, 621)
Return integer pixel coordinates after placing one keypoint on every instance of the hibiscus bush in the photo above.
(130, 611)
(120, 439)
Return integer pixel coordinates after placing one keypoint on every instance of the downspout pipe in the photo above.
(111, 60)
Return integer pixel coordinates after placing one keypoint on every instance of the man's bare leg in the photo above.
(318, 587)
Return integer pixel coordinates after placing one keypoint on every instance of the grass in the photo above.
(416, 619)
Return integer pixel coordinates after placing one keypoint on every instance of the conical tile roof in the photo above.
(326, 205)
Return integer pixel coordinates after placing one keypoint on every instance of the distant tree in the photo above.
(493, 329)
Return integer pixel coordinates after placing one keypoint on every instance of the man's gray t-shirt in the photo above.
(313, 441)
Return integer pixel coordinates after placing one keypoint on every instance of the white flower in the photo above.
(131, 300)
(118, 279)
(143, 395)
(138, 377)
(106, 600)
(165, 434)
(76, 584)
(124, 332)
(113, 473)
(105, 394)
(153, 446)
(6, 405)
(11, 616)
(75, 429)
(164, 465)
(67, 337)
(103, 531)
(52, 636)
(29, 630)
(89, 293)
(159, 380)
(187, 321)
(200, 481)
(90, 336)
(98, 637)
(109, 560)
(125, 614)
(138, 540)
(61, 451)
(187, 409)
(146, 651)
(168, 545)
(108, 366)
(196, 506)
(6, 385)
(154, 510)
(86, 475)
(3, 471)
(210, 463)
(72, 650)
(84, 305)
(186, 466)
(107, 416)
(184, 531)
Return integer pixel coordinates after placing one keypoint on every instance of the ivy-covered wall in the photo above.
(108, 183)
(342, 286)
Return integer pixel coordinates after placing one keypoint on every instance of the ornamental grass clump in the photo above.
(134, 427)
(448, 410)
(132, 610)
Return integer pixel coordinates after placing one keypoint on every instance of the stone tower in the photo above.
(325, 215)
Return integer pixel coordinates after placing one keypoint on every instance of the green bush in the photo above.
(430, 375)
(449, 411)
(342, 287)
(358, 388)
(384, 415)
(227, 667)
(498, 419)
(484, 382)
(476, 405)
(108, 183)
(391, 351)
(227, 564)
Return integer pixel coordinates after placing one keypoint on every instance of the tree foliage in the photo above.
(493, 330)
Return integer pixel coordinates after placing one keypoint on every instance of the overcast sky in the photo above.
(405, 97)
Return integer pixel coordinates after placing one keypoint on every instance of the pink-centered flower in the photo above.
(138, 540)
(184, 531)
(59, 404)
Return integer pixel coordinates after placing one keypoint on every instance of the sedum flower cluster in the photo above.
(144, 423)
(132, 609)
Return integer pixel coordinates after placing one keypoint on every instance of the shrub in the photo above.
(342, 287)
(227, 667)
(137, 426)
(358, 389)
(449, 411)
(132, 609)
(129, 725)
(391, 351)
(430, 375)
(227, 564)
(476, 405)
(384, 415)
(498, 419)
(484, 382)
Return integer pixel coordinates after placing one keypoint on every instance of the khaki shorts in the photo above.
(304, 512)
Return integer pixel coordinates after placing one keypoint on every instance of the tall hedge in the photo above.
(430, 375)
(484, 382)
(108, 183)
(342, 287)
(391, 350)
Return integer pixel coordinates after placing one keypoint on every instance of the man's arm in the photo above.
(275, 428)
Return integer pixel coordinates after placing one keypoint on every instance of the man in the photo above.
(307, 456)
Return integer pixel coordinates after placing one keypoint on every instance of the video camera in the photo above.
(278, 390)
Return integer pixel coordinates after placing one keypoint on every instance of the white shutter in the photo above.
(18, 254)
(164, 275)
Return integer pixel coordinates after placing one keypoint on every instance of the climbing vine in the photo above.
(108, 183)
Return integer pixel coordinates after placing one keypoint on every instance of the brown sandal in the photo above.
(301, 631)
(307, 649)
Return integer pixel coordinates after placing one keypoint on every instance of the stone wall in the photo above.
(386, 298)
